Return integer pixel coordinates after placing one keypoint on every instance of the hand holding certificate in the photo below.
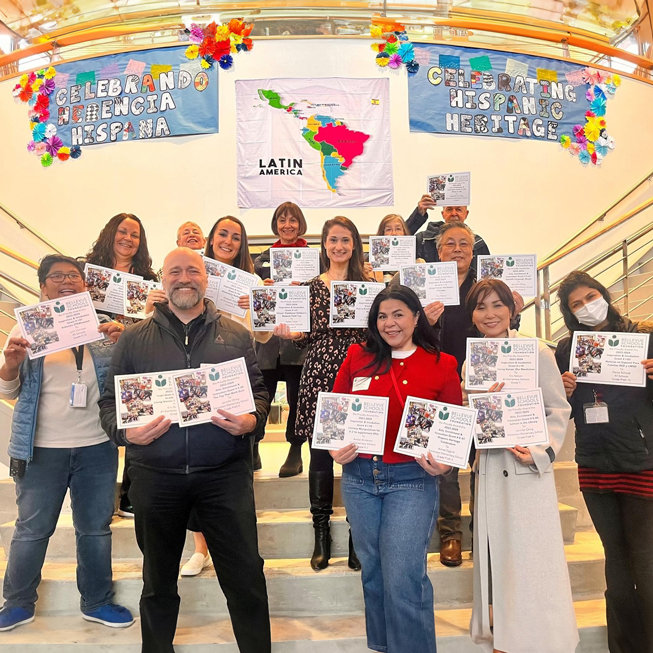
(294, 264)
(342, 419)
(106, 287)
(449, 188)
(391, 252)
(351, 301)
(511, 361)
(58, 324)
(432, 282)
(227, 284)
(272, 305)
(444, 430)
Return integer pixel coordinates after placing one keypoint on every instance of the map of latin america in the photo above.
(337, 144)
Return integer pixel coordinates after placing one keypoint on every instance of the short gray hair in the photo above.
(447, 226)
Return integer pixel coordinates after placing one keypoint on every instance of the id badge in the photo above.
(78, 395)
(596, 413)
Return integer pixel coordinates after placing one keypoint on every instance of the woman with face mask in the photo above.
(614, 452)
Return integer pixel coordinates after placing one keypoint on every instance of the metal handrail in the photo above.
(19, 284)
(18, 257)
(23, 225)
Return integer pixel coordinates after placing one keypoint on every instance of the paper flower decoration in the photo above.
(46, 160)
(63, 154)
(50, 130)
(215, 42)
(53, 144)
(395, 49)
(39, 148)
(38, 133)
(592, 142)
(31, 146)
(75, 152)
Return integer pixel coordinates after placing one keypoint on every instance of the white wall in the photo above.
(526, 196)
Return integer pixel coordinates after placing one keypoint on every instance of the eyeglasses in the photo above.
(60, 277)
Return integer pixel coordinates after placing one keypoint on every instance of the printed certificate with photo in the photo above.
(518, 271)
(272, 305)
(446, 430)
(135, 298)
(391, 252)
(294, 264)
(342, 419)
(58, 324)
(200, 393)
(140, 398)
(106, 287)
(227, 284)
(507, 419)
(512, 361)
(449, 188)
(610, 358)
(432, 282)
(350, 303)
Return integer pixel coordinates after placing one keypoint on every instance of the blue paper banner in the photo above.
(492, 93)
(136, 95)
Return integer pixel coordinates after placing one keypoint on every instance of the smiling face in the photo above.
(190, 235)
(491, 316)
(394, 228)
(396, 324)
(288, 228)
(184, 278)
(451, 213)
(457, 245)
(226, 241)
(127, 240)
(582, 295)
(56, 286)
(339, 244)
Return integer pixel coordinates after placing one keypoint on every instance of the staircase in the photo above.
(311, 612)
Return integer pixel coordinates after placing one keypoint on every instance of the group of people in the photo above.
(200, 476)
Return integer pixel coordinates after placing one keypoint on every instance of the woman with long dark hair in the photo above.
(614, 452)
(392, 500)
(341, 255)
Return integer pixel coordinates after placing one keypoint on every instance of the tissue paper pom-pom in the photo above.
(192, 51)
(196, 34)
(63, 154)
(50, 73)
(50, 130)
(37, 84)
(391, 48)
(31, 146)
(565, 141)
(591, 131)
(394, 61)
(53, 144)
(412, 67)
(46, 160)
(48, 87)
(376, 32)
(39, 148)
(381, 60)
(207, 63)
(26, 93)
(574, 148)
(226, 61)
(31, 78)
(38, 133)
(584, 157)
(44, 115)
(235, 25)
(42, 102)
(75, 151)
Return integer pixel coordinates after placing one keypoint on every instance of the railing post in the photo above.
(547, 303)
(624, 260)
(538, 306)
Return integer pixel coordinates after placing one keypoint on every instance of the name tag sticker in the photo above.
(78, 395)
(361, 383)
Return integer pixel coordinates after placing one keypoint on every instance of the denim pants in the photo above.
(223, 500)
(392, 511)
(90, 473)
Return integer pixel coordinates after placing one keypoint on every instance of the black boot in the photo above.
(293, 464)
(352, 561)
(320, 487)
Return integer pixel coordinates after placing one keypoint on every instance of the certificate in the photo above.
(342, 419)
(294, 264)
(506, 419)
(610, 358)
(518, 271)
(512, 361)
(200, 393)
(350, 303)
(445, 430)
(136, 293)
(142, 397)
(391, 252)
(227, 284)
(58, 324)
(272, 305)
(106, 287)
(433, 282)
(449, 188)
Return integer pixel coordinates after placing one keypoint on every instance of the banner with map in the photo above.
(318, 142)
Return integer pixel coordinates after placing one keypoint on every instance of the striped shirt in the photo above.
(639, 484)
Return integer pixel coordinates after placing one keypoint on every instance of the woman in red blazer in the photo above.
(392, 500)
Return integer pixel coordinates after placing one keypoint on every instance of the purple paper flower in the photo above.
(395, 61)
(75, 152)
(53, 144)
(196, 34)
(226, 61)
(48, 86)
(31, 146)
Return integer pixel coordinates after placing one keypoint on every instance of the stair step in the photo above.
(295, 589)
(203, 633)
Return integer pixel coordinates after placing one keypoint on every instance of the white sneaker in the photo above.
(195, 564)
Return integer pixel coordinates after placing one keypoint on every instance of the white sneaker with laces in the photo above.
(195, 564)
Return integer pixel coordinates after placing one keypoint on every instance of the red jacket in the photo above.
(420, 375)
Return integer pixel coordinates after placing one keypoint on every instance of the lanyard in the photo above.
(79, 359)
(402, 401)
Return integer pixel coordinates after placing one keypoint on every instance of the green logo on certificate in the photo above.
(613, 342)
(283, 294)
(506, 348)
(362, 290)
(451, 178)
(160, 382)
(510, 262)
(395, 242)
(117, 278)
(509, 401)
(432, 270)
(231, 275)
(444, 414)
(297, 255)
(58, 308)
(356, 405)
(213, 375)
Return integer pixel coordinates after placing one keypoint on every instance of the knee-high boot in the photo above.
(320, 487)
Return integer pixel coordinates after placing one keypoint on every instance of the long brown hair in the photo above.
(355, 270)
(243, 260)
(102, 253)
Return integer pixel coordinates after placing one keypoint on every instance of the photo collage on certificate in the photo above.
(391, 252)
(432, 282)
(517, 271)
(350, 302)
(107, 288)
(226, 284)
(512, 361)
(449, 188)
(294, 264)
(272, 305)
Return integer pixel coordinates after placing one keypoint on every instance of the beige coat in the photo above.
(519, 560)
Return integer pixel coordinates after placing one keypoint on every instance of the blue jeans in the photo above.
(90, 473)
(392, 510)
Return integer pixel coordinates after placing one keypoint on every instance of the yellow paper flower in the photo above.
(23, 80)
(375, 32)
(222, 33)
(616, 80)
(375, 47)
(192, 51)
(64, 150)
(205, 64)
(236, 39)
(38, 82)
(590, 147)
(591, 131)
(382, 61)
(565, 141)
(50, 73)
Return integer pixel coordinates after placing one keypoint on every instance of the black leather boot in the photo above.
(320, 487)
(352, 561)
(293, 464)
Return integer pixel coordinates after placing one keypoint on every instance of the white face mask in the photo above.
(593, 313)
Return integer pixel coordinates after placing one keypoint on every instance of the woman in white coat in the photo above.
(522, 595)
